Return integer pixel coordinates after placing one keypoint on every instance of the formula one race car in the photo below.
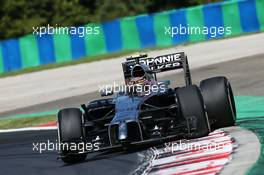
(145, 110)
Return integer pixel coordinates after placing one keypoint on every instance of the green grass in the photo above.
(26, 122)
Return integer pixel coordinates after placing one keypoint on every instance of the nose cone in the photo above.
(122, 134)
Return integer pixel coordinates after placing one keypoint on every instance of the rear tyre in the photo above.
(191, 107)
(70, 131)
(219, 101)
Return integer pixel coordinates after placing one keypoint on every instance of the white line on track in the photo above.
(28, 129)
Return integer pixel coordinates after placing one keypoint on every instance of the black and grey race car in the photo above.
(146, 110)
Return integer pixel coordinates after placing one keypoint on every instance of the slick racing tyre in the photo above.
(219, 101)
(191, 107)
(70, 131)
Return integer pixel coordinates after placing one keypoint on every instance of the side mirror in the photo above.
(84, 108)
(164, 82)
(106, 92)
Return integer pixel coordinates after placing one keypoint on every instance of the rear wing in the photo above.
(159, 64)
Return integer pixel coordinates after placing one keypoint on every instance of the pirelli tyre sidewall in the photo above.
(191, 104)
(219, 101)
(70, 130)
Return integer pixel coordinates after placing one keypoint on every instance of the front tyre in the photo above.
(219, 101)
(70, 131)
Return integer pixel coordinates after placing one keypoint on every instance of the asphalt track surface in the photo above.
(17, 156)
